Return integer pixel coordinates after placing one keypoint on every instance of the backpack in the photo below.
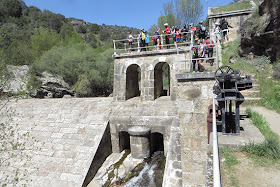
(143, 36)
(203, 28)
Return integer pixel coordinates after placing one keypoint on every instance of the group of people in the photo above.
(203, 44)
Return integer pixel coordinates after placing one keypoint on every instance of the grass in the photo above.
(232, 7)
(230, 161)
(268, 152)
(262, 68)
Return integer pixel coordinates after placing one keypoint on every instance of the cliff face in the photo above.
(260, 34)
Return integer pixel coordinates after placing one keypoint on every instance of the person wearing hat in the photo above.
(201, 31)
(217, 32)
(167, 32)
(142, 40)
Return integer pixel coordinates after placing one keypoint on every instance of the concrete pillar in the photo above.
(139, 142)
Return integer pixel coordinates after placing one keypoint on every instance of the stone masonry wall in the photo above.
(234, 19)
(147, 65)
(194, 97)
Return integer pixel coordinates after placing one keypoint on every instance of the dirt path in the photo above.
(272, 117)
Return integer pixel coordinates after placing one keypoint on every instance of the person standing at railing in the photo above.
(142, 39)
(147, 40)
(130, 40)
(224, 25)
(193, 30)
(157, 38)
(201, 31)
(217, 33)
(177, 33)
(185, 34)
(201, 54)
(167, 32)
(195, 55)
(209, 48)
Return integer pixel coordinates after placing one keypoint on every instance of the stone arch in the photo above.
(133, 78)
(161, 79)
(124, 140)
(156, 142)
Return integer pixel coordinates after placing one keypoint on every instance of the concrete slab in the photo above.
(250, 134)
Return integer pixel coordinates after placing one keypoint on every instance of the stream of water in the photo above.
(149, 174)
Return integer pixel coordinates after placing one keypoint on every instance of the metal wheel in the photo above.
(223, 71)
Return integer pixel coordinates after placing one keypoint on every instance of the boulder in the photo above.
(53, 86)
(15, 79)
(260, 33)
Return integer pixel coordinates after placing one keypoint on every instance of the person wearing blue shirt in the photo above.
(147, 40)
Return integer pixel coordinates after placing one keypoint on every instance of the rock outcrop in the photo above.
(53, 86)
(15, 80)
(260, 33)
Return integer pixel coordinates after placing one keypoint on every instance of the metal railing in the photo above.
(122, 46)
(216, 163)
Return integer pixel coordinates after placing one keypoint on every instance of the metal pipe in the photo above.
(217, 57)
(216, 164)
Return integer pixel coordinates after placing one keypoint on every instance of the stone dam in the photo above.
(76, 135)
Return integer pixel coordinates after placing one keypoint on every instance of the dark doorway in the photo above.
(133, 77)
(124, 140)
(162, 79)
(157, 143)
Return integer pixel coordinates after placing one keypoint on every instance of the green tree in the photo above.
(66, 30)
(43, 40)
(185, 11)
(94, 28)
(10, 8)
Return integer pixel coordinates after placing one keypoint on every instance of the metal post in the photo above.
(114, 47)
(161, 40)
(138, 42)
(191, 51)
(125, 47)
(216, 164)
(217, 57)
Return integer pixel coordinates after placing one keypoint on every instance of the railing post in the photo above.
(217, 57)
(138, 42)
(216, 164)
(191, 51)
(114, 47)
(125, 47)
(161, 40)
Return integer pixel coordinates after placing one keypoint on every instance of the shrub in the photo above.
(82, 67)
(276, 71)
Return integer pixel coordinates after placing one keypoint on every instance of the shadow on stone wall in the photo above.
(103, 151)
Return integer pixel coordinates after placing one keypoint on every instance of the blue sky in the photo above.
(131, 13)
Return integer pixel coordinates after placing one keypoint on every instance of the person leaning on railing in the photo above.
(167, 32)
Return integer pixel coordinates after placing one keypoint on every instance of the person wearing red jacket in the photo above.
(167, 32)
(209, 48)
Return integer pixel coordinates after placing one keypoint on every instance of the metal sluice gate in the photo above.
(229, 83)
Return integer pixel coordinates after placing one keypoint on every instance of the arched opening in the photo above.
(124, 140)
(156, 142)
(162, 79)
(133, 78)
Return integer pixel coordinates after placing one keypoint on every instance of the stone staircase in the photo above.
(253, 93)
